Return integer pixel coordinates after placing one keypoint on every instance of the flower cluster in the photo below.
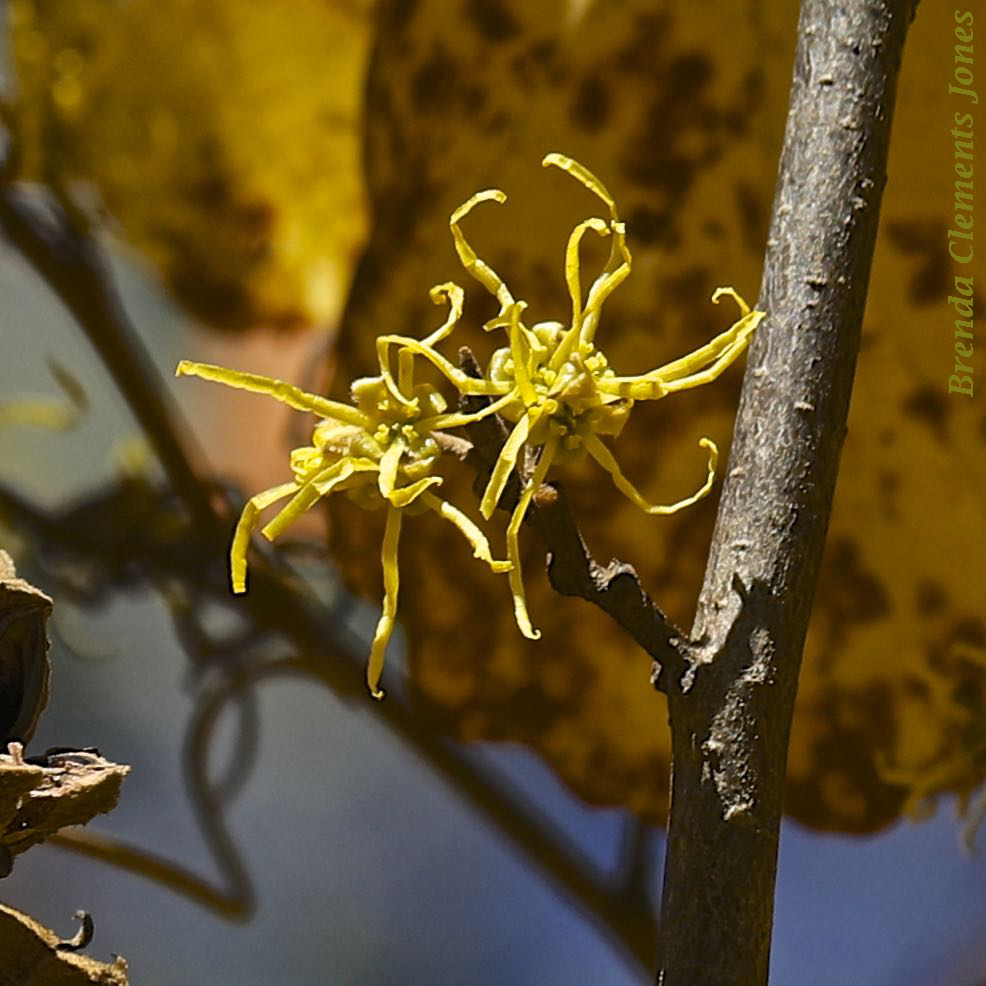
(549, 382)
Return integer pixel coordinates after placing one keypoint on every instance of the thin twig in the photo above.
(572, 571)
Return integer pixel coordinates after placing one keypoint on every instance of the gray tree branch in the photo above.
(731, 710)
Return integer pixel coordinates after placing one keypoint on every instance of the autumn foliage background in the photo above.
(275, 182)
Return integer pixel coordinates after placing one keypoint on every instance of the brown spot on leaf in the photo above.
(648, 225)
(498, 122)
(714, 229)
(436, 82)
(930, 598)
(680, 129)
(474, 99)
(888, 484)
(692, 71)
(848, 592)
(687, 286)
(645, 45)
(221, 302)
(591, 106)
(752, 213)
(492, 20)
(545, 53)
(843, 791)
(539, 63)
(398, 15)
(921, 240)
(754, 86)
(929, 404)
(969, 630)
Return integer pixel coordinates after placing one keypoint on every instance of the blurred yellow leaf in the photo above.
(683, 123)
(222, 137)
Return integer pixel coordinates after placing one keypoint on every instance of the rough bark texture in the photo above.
(731, 709)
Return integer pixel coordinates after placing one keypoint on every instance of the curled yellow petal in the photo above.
(459, 419)
(574, 281)
(461, 381)
(572, 264)
(582, 174)
(286, 393)
(641, 388)
(389, 464)
(479, 268)
(525, 345)
(475, 537)
(697, 368)
(245, 527)
(513, 541)
(607, 282)
(455, 296)
(391, 583)
(525, 348)
(405, 372)
(736, 338)
(312, 491)
(302, 501)
(604, 457)
(406, 495)
(397, 392)
(521, 352)
(730, 293)
(504, 465)
(618, 265)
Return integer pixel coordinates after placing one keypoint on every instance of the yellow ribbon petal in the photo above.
(604, 457)
(513, 540)
(287, 393)
(504, 465)
(245, 528)
(475, 537)
(476, 267)
(391, 583)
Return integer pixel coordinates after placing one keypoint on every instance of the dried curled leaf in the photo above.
(35, 956)
(24, 668)
(71, 788)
